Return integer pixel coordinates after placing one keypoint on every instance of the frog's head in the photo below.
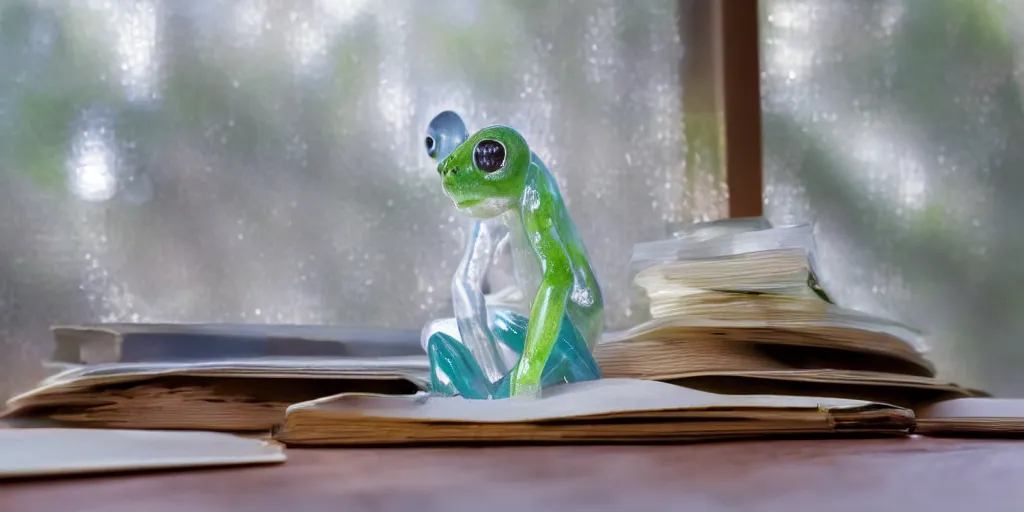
(486, 174)
(444, 133)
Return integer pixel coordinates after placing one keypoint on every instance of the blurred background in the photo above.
(261, 162)
(897, 127)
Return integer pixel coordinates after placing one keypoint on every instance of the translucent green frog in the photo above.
(494, 177)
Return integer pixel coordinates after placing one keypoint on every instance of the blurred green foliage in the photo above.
(946, 72)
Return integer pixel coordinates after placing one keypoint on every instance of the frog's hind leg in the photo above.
(454, 370)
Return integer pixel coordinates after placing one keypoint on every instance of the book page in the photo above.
(414, 369)
(848, 338)
(592, 398)
(62, 451)
(111, 343)
(313, 332)
(974, 408)
(293, 366)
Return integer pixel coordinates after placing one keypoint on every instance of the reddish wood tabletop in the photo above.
(914, 474)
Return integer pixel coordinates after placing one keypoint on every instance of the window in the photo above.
(259, 161)
(896, 126)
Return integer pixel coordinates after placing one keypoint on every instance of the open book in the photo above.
(41, 452)
(775, 360)
(607, 410)
(225, 395)
(210, 376)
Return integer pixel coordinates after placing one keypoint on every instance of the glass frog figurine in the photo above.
(493, 176)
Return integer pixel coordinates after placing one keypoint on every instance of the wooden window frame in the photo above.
(722, 72)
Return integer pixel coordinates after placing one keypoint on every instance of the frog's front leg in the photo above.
(468, 298)
(549, 306)
(464, 353)
(570, 359)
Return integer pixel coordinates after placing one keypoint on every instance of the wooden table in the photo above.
(876, 475)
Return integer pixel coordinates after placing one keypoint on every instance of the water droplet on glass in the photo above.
(92, 165)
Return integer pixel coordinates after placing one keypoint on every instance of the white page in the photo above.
(413, 368)
(1009, 408)
(65, 451)
(604, 396)
(310, 365)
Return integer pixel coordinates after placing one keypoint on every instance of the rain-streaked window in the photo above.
(897, 127)
(261, 161)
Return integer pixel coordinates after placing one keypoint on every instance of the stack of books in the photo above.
(736, 307)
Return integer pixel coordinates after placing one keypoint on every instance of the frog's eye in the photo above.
(431, 146)
(489, 155)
